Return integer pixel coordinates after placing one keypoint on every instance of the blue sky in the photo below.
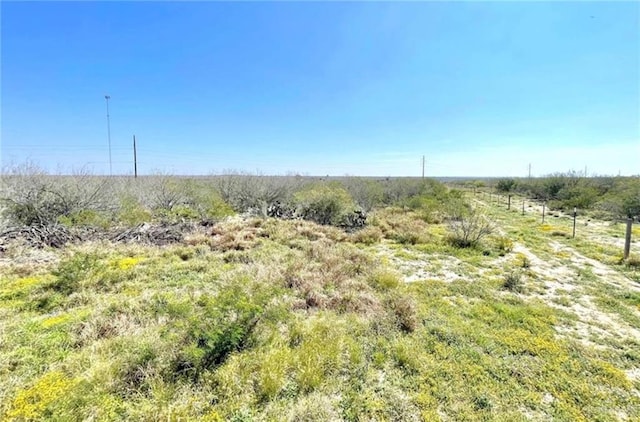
(360, 88)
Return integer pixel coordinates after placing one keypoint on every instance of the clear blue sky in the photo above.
(481, 89)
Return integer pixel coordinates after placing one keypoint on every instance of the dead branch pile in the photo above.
(39, 236)
(57, 236)
(153, 234)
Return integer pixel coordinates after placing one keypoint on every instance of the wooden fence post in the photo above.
(627, 238)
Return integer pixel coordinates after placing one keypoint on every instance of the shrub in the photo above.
(325, 203)
(469, 228)
(368, 194)
(624, 200)
(214, 207)
(513, 282)
(32, 197)
(166, 192)
(132, 211)
(256, 193)
(369, 235)
(385, 280)
(72, 271)
(224, 325)
(404, 309)
(506, 185)
(86, 218)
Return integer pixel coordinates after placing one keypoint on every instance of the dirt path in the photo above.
(563, 288)
(583, 287)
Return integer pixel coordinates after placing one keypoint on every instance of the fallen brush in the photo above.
(57, 235)
(39, 236)
(162, 234)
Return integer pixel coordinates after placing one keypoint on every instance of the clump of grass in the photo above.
(185, 253)
(384, 280)
(233, 236)
(523, 261)
(242, 257)
(73, 271)
(546, 228)
(514, 282)
(633, 261)
(405, 312)
(401, 226)
(503, 245)
(368, 235)
(560, 233)
(409, 237)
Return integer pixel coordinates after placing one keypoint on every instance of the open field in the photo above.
(257, 318)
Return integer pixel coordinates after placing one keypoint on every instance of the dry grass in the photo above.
(260, 319)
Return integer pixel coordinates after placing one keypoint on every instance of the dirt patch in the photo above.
(422, 266)
(560, 276)
(605, 273)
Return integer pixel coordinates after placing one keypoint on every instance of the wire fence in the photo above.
(578, 222)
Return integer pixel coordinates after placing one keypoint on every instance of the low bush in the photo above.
(404, 309)
(633, 261)
(324, 203)
(368, 235)
(132, 212)
(503, 245)
(523, 261)
(384, 280)
(514, 282)
(404, 227)
(468, 228)
(255, 193)
(32, 197)
(86, 218)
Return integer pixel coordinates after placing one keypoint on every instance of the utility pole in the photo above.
(108, 97)
(423, 167)
(135, 159)
(529, 170)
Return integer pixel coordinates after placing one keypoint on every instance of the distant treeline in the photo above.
(616, 196)
(29, 196)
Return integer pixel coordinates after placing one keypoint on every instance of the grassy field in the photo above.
(268, 320)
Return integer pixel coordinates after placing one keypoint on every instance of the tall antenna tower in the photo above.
(107, 98)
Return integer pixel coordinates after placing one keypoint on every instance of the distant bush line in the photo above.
(609, 197)
(31, 197)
